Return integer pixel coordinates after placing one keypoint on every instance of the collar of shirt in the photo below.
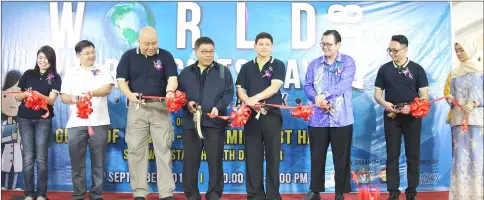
(403, 66)
(196, 64)
(325, 60)
(80, 68)
(271, 60)
(138, 51)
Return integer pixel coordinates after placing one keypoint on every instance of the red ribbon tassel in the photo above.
(303, 112)
(84, 109)
(36, 101)
(178, 100)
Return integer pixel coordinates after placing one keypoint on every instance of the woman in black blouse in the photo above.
(34, 129)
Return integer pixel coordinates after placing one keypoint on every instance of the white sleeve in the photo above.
(66, 87)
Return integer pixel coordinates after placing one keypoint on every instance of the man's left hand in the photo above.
(214, 113)
(252, 101)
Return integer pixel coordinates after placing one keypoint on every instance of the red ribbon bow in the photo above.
(36, 101)
(178, 100)
(238, 117)
(419, 108)
(175, 103)
(84, 109)
(303, 112)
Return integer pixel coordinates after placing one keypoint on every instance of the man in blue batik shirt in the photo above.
(328, 84)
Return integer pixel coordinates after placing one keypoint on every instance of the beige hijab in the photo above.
(471, 65)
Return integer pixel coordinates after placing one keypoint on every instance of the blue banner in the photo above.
(366, 29)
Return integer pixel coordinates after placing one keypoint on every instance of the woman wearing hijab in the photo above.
(466, 87)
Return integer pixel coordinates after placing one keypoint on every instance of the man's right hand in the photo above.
(388, 106)
(191, 106)
(133, 98)
(74, 99)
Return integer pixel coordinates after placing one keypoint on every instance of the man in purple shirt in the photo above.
(328, 84)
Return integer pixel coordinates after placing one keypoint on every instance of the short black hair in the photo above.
(50, 54)
(335, 33)
(400, 39)
(264, 35)
(83, 44)
(203, 40)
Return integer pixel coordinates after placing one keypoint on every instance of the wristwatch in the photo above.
(257, 96)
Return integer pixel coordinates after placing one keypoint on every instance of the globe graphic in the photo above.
(123, 21)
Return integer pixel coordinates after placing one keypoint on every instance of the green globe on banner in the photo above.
(123, 21)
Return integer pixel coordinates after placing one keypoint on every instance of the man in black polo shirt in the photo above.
(209, 89)
(259, 80)
(402, 80)
(148, 70)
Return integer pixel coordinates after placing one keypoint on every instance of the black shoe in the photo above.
(312, 196)
(339, 197)
(195, 197)
(393, 197)
(139, 198)
(168, 198)
(411, 198)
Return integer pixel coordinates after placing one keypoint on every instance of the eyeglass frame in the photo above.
(207, 53)
(389, 51)
(88, 53)
(322, 45)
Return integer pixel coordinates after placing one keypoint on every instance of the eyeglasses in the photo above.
(325, 45)
(88, 53)
(394, 51)
(207, 53)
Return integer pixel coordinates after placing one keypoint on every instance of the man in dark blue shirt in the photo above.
(148, 70)
(402, 80)
(260, 80)
(209, 89)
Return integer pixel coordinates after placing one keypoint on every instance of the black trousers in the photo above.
(263, 137)
(213, 143)
(411, 128)
(340, 139)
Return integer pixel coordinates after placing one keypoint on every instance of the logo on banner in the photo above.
(383, 175)
(363, 175)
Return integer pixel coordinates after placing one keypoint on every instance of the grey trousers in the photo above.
(79, 140)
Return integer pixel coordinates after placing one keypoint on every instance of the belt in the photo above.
(397, 107)
(401, 105)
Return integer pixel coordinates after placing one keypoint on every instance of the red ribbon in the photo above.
(364, 191)
(175, 103)
(84, 110)
(238, 117)
(301, 111)
(419, 108)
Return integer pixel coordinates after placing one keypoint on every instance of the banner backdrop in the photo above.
(366, 28)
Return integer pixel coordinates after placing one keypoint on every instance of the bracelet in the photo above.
(169, 91)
